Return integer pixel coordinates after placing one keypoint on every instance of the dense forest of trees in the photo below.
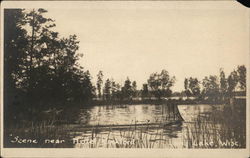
(41, 71)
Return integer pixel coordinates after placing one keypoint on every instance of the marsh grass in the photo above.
(44, 133)
(224, 128)
(134, 136)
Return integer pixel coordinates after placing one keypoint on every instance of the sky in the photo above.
(131, 39)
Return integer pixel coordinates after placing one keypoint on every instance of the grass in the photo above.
(132, 137)
(222, 129)
(39, 135)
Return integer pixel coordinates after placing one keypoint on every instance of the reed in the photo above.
(134, 136)
(43, 132)
(221, 129)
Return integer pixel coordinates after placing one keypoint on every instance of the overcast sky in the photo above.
(135, 39)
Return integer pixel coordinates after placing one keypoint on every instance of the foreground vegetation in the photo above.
(224, 128)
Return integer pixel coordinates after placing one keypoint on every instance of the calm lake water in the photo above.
(120, 126)
(125, 114)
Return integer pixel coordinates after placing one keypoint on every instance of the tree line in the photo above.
(158, 85)
(217, 87)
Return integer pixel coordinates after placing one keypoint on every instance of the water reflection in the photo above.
(119, 126)
(118, 115)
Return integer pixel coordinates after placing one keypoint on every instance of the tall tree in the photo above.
(186, 87)
(15, 46)
(160, 84)
(144, 92)
(39, 35)
(99, 83)
(211, 87)
(127, 89)
(223, 84)
(117, 91)
(134, 89)
(194, 86)
(232, 82)
(241, 70)
(223, 81)
(186, 83)
(107, 90)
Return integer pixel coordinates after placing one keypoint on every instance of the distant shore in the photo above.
(162, 101)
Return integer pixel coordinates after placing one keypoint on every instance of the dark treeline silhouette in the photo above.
(215, 89)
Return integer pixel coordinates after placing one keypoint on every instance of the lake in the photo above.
(159, 126)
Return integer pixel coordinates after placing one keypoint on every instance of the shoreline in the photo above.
(159, 102)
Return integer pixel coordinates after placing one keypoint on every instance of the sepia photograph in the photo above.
(161, 76)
